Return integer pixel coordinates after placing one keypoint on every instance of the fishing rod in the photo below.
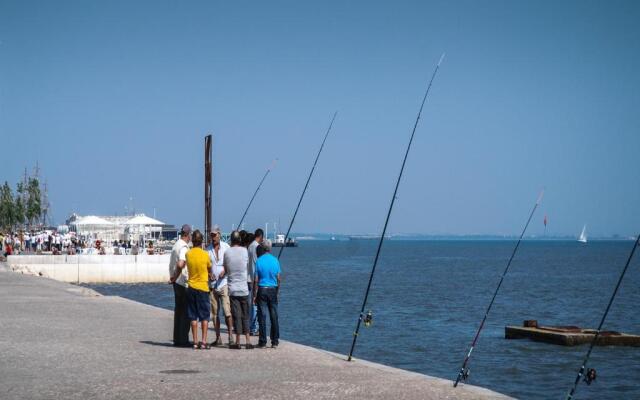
(368, 318)
(591, 373)
(272, 166)
(286, 236)
(464, 371)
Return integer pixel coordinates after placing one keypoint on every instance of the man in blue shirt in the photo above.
(267, 280)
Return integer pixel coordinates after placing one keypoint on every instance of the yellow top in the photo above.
(198, 266)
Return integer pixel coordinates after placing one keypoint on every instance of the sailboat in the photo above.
(583, 235)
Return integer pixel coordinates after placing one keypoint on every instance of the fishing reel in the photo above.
(464, 374)
(590, 376)
(368, 319)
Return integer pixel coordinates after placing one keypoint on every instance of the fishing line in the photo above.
(272, 166)
(464, 371)
(591, 373)
(286, 236)
(368, 317)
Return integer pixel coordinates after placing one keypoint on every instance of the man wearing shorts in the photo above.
(219, 295)
(198, 308)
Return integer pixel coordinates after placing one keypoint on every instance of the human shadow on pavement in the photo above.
(153, 343)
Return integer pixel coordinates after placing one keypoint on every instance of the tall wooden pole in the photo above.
(208, 169)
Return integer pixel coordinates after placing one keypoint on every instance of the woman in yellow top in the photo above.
(198, 308)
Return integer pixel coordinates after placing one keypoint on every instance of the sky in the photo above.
(113, 101)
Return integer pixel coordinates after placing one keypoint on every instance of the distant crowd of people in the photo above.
(34, 242)
(240, 280)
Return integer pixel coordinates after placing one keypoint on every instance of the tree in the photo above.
(19, 206)
(33, 209)
(7, 218)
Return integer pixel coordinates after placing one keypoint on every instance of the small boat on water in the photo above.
(583, 235)
(280, 242)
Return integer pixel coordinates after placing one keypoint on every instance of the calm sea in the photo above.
(428, 298)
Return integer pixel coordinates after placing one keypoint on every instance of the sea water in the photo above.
(428, 297)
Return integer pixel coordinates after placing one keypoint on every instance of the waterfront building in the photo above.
(138, 228)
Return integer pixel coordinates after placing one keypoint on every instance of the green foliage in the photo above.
(24, 207)
(33, 206)
(19, 206)
(7, 215)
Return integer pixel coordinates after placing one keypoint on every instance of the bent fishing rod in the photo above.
(273, 164)
(306, 185)
(591, 373)
(464, 371)
(368, 317)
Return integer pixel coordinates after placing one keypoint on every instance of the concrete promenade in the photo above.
(60, 341)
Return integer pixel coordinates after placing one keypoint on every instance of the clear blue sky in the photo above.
(114, 99)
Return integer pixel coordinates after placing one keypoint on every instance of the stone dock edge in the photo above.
(60, 340)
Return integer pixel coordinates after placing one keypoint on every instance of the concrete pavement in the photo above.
(63, 341)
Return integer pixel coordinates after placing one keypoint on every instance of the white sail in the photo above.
(583, 235)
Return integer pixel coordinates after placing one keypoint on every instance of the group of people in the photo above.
(34, 241)
(239, 279)
(127, 247)
(29, 242)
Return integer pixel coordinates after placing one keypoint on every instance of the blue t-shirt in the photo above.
(267, 270)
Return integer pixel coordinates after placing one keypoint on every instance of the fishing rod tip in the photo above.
(441, 58)
(540, 196)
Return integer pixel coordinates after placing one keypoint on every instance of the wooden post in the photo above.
(208, 169)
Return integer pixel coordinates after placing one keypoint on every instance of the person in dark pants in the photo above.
(258, 237)
(267, 280)
(235, 261)
(178, 278)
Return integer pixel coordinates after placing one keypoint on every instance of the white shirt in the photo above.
(179, 253)
(217, 265)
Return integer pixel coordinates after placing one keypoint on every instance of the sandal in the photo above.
(206, 346)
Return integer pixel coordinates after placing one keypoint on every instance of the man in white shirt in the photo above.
(27, 242)
(178, 277)
(219, 289)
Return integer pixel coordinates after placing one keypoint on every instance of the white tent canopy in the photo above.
(94, 227)
(92, 220)
(142, 219)
(138, 228)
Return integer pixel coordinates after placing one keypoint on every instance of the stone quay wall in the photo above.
(94, 268)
